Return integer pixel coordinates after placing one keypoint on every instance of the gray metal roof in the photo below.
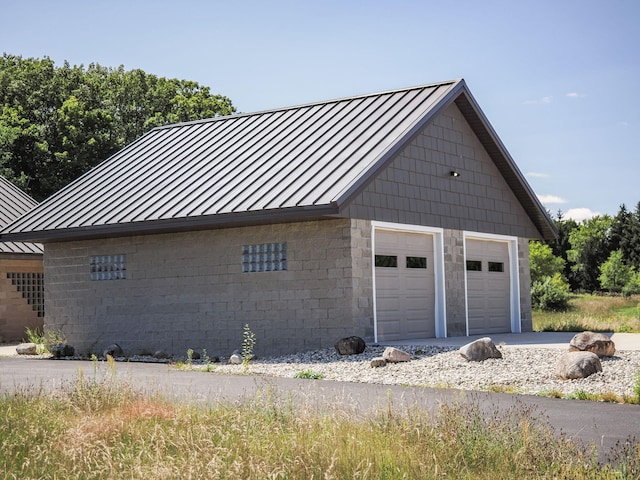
(285, 164)
(14, 203)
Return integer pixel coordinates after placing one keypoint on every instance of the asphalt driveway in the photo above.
(592, 423)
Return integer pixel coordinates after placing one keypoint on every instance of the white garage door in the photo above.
(488, 286)
(405, 288)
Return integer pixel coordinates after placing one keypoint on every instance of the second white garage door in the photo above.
(405, 287)
(488, 286)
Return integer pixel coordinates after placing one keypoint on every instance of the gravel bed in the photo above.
(521, 370)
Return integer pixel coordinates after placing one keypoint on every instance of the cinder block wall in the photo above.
(187, 290)
(526, 315)
(454, 274)
(16, 315)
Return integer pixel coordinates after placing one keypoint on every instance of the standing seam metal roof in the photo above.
(14, 203)
(307, 159)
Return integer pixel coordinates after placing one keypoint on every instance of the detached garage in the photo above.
(392, 216)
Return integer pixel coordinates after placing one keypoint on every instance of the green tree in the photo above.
(625, 235)
(615, 274)
(590, 247)
(543, 262)
(561, 246)
(58, 122)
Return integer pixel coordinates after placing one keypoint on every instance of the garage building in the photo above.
(393, 216)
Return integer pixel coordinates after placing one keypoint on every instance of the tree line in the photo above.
(56, 122)
(598, 254)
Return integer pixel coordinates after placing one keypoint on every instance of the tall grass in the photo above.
(105, 430)
(592, 312)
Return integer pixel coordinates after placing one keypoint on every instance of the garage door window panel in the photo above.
(496, 267)
(474, 265)
(416, 262)
(387, 261)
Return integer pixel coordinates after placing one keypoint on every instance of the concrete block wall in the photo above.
(15, 312)
(454, 274)
(187, 290)
(526, 316)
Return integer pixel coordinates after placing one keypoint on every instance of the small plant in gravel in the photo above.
(636, 387)
(248, 344)
(44, 340)
(309, 374)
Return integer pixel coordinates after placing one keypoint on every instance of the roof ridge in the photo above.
(306, 105)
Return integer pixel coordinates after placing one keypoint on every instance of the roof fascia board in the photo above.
(209, 222)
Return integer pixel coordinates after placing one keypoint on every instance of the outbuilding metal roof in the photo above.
(285, 164)
(14, 203)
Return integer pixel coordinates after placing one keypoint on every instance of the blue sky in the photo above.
(558, 80)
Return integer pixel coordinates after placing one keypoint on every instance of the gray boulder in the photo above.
(395, 355)
(27, 349)
(161, 355)
(578, 365)
(350, 346)
(480, 350)
(597, 343)
(378, 362)
(235, 359)
(114, 350)
(61, 350)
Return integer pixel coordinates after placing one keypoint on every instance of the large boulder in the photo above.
(27, 349)
(395, 355)
(597, 343)
(114, 350)
(350, 346)
(480, 350)
(61, 350)
(578, 365)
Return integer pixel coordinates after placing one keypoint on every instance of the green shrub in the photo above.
(550, 294)
(309, 374)
(632, 287)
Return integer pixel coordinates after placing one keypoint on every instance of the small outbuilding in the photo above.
(391, 216)
(21, 271)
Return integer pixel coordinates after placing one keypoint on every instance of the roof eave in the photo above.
(152, 227)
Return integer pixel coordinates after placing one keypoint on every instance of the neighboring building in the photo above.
(392, 216)
(21, 272)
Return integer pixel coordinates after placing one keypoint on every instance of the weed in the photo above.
(248, 344)
(636, 387)
(309, 374)
(190, 356)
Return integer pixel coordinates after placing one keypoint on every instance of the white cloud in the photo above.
(575, 95)
(551, 199)
(579, 214)
(543, 100)
(537, 175)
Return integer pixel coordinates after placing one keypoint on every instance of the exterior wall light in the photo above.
(453, 173)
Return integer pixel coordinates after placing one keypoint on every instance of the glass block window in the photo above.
(386, 261)
(264, 257)
(31, 286)
(108, 267)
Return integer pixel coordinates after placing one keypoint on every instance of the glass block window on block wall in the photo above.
(31, 286)
(108, 267)
(264, 257)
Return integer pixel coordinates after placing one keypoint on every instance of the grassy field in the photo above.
(593, 312)
(107, 431)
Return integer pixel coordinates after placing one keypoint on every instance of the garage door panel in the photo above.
(405, 293)
(489, 289)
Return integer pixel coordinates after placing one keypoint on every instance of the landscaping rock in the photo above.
(578, 365)
(161, 355)
(395, 355)
(114, 350)
(61, 350)
(350, 346)
(480, 350)
(378, 362)
(235, 359)
(597, 343)
(27, 349)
